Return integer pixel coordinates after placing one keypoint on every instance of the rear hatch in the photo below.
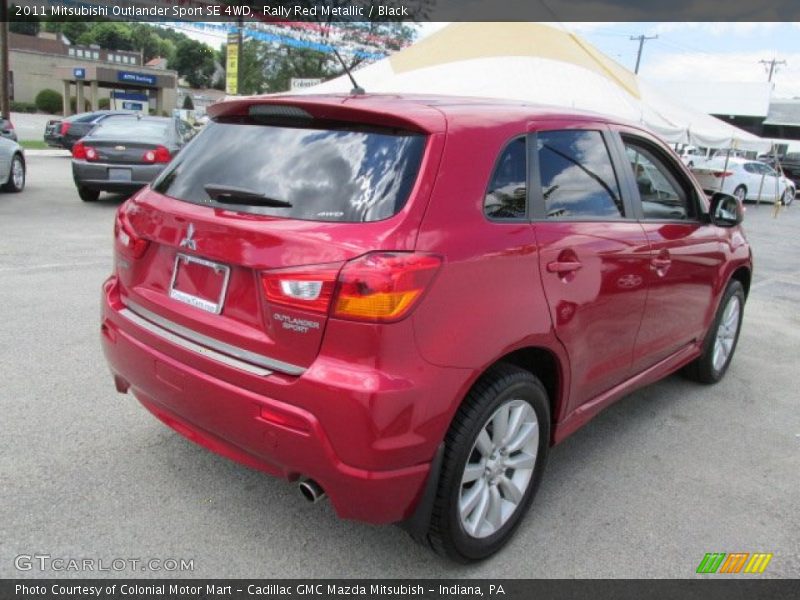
(272, 191)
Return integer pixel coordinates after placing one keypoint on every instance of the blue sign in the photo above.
(129, 96)
(132, 106)
(79, 73)
(140, 78)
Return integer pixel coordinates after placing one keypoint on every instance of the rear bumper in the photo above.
(275, 429)
(94, 176)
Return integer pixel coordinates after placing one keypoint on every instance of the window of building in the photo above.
(71, 51)
(507, 195)
(577, 176)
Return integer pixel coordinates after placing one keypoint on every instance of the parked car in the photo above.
(789, 165)
(63, 133)
(124, 154)
(12, 166)
(745, 179)
(7, 129)
(403, 302)
(692, 155)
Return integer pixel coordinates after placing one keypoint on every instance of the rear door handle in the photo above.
(563, 266)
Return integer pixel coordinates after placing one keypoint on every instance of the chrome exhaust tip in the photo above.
(311, 490)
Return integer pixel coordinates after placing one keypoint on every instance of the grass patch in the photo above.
(34, 144)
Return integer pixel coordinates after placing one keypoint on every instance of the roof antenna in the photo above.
(357, 89)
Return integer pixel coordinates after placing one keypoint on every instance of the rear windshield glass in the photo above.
(124, 126)
(347, 174)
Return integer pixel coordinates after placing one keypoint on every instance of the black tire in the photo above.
(702, 369)
(502, 383)
(743, 190)
(788, 196)
(10, 185)
(88, 195)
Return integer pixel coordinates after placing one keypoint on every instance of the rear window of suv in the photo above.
(346, 174)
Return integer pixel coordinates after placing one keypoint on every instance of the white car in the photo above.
(12, 166)
(692, 155)
(744, 179)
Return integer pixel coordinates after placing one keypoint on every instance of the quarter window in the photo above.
(661, 195)
(577, 176)
(507, 195)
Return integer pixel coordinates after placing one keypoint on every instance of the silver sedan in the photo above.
(12, 166)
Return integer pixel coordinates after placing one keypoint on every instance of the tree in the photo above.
(188, 103)
(193, 61)
(29, 26)
(111, 36)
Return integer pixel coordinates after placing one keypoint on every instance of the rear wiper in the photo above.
(228, 194)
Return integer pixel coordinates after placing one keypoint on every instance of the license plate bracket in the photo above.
(115, 174)
(199, 282)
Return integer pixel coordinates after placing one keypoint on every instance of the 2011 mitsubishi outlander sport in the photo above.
(404, 302)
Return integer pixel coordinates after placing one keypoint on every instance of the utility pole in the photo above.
(772, 64)
(5, 104)
(642, 39)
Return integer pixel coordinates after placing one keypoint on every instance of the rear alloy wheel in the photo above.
(88, 195)
(16, 175)
(720, 344)
(495, 453)
(788, 196)
(741, 193)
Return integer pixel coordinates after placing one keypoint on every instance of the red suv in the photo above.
(403, 302)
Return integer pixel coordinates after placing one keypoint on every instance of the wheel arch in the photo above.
(744, 276)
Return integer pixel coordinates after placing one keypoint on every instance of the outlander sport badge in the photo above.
(188, 241)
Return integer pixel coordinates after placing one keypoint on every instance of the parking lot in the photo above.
(652, 484)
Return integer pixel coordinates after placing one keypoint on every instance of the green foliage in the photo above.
(188, 103)
(49, 101)
(194, 61)
(104, 103)
(268, 67)
(111, 36)
(29, 26)
(24, 107)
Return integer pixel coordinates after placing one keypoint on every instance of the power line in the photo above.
(642, 39)
(772, 64)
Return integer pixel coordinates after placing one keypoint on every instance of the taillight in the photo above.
(84, 152)
(383, 286)
(126, 239)
(721, 174)
(376, 287)
(158, 155)
(306, 288)
(64, 127)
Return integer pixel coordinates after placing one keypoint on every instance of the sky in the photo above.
(689, 52)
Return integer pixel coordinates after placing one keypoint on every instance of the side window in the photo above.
(577, 176)
(508, 188)
(751, 168)
(661, 195)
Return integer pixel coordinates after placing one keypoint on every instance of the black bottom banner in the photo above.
(449, 589)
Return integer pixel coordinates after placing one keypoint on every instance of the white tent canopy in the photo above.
(537, 63)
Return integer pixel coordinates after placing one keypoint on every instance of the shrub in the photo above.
(104, 103)
(23, 107)
(49, 101)
(188, 103)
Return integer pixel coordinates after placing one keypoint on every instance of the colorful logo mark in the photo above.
(735, 562)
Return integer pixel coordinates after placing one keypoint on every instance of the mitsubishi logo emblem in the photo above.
(188, 241)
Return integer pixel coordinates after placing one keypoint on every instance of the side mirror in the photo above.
(726, 210)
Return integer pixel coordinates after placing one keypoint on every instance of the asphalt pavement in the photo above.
(664, 476)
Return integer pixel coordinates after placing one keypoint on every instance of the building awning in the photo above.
(784, 112)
